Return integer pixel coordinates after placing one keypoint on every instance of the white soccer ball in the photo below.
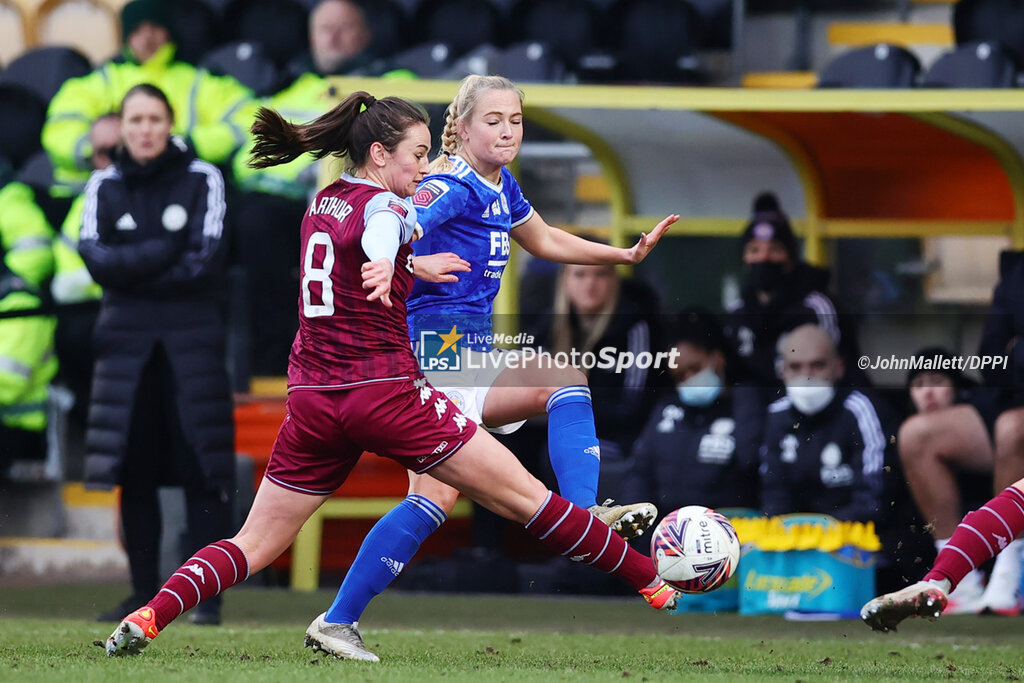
(695, 549)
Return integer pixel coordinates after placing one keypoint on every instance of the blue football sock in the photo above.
(572, 444)
(385, 551)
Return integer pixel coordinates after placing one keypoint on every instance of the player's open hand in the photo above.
(647, 241)
(439, 267)
(377, 276)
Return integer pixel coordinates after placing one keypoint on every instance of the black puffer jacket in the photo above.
(152, 236)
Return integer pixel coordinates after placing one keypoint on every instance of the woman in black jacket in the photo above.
(160, 411)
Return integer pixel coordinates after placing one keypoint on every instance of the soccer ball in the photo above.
(695, 549)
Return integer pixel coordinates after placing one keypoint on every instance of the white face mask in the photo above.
(810, 396)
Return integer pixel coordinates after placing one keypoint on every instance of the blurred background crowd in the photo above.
(769, 408)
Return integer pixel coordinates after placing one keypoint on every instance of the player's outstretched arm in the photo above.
(554, 244)
(377, 277)
(439, 267)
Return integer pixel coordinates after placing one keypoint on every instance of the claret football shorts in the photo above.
(325, 432)
(467, 388)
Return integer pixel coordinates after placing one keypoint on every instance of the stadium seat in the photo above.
(714, 23)
(194, 26)
(877, 66)
(529, 62)
(91, 27)
(481, 60)
(998, 21)
(280, 26)
(975, 65)
(655, 41)
(14, 30)
(44, 69)
(387, 22)
(22, 113)
(246, 62)
(569, 27)
(461, 24)
(427, 60)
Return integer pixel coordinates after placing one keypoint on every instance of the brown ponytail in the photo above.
(347, 130)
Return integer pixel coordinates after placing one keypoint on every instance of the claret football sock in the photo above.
(385, 551)
(572, 531)
(980, 536)
(209, 571)
(573, 447)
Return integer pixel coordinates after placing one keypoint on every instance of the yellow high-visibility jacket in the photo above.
(212, 112)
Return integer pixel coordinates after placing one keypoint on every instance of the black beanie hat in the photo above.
(768, 222)
(929, 354)
(137, 11)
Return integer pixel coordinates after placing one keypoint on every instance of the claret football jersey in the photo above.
(464, 213)
(343, 339)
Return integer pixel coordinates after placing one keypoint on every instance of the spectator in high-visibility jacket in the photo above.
(26, 239)
(214, 111)
(27, 364)
(72, 284)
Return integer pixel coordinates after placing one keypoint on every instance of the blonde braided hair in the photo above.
(460, 110)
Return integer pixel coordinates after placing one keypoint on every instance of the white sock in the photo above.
(1009, 559)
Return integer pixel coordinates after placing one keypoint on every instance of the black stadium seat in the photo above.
(427, 60)
(44, 69)
(569, 27)
(194, 26)
(714, 23)
(875, 66)
(975, 65)
(246, 62)
(22, 113)
(280, 26)
(461, 24)
(655, 40)
(529, 62)
(998, 21)
(387, 23)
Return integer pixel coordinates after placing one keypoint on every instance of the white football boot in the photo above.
(342, 641)
(922, 599)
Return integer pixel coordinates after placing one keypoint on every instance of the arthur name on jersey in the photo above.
(331, 206)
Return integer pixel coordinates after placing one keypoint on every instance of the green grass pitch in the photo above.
(46, 635)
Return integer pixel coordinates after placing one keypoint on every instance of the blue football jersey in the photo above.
(461, 212)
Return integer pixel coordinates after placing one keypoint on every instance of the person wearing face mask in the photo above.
(779, 293)
(824, 448)
(700, 443)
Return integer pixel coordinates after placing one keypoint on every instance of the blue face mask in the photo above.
(701, 390)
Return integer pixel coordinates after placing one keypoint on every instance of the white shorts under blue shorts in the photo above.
(467, 388)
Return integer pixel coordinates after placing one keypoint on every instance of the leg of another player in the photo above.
(490, 474)
(276, 516)
(979, 537)
(1003, 594)
(527, 390)
(930, 446)
(389, 546)
(933, 447)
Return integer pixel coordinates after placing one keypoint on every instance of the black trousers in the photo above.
(158, 455)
